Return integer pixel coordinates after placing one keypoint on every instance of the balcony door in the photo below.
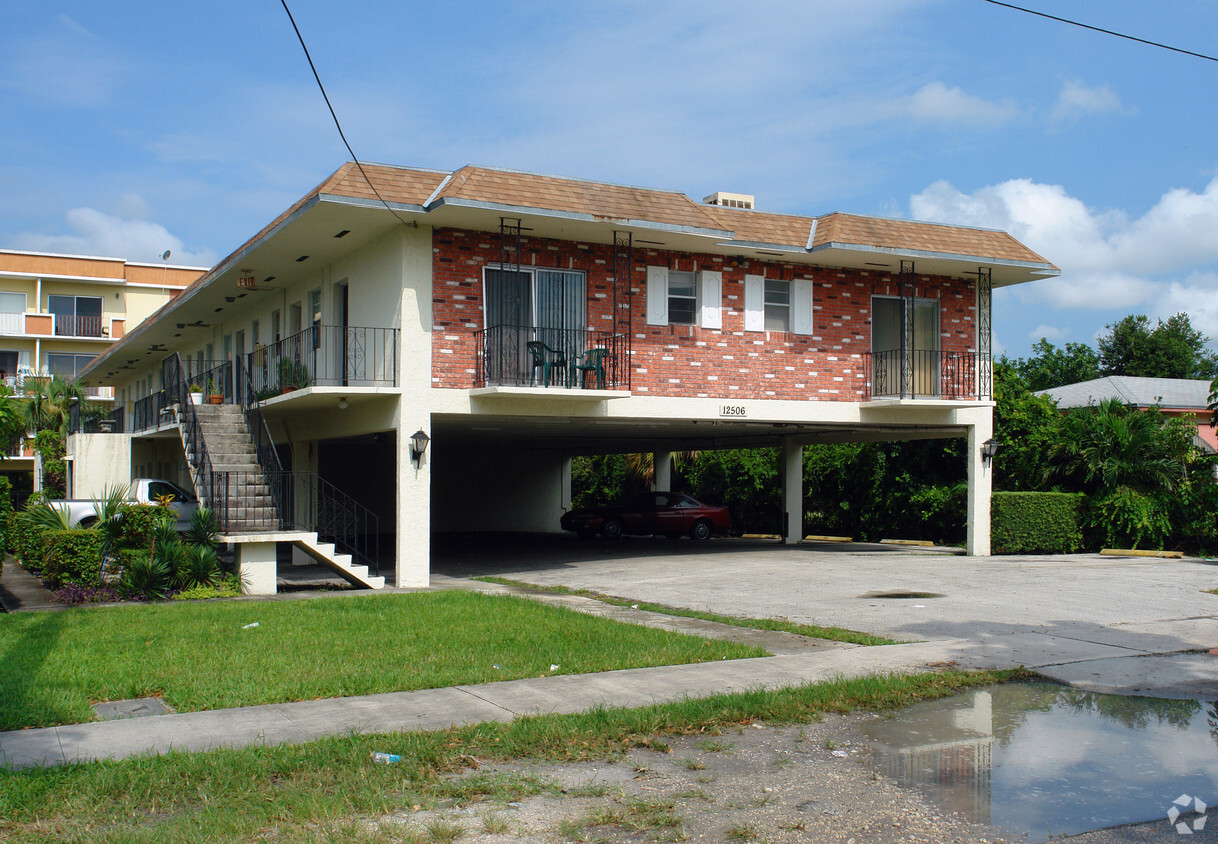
(529, 305)
(77, 316)
(895, 369)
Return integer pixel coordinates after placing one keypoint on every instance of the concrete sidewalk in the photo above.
(1089, 661)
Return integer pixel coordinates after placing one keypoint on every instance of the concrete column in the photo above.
(980, 483)
(661, 462)
(793, 490)
(564, 485)
(256, 564)
(413, 567)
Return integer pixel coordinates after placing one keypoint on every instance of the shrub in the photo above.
(27, 541)
(229, 587)
(72, 557)
(1127, 518)
(140, 523)
(1035, 522)
(145, 577)
(198, 565)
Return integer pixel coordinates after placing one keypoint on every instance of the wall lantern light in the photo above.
(418, 445)
(343, 404)
(988, 449)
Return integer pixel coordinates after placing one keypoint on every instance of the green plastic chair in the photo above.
(591, 362)
(547, 360)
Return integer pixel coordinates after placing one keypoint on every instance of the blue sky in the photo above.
(131, 127)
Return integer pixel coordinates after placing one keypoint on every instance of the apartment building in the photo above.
(410, 351)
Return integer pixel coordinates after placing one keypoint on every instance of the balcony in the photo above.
(562, 358)
(67, 325)
(927, 374)
(12, 323)
(323, 356)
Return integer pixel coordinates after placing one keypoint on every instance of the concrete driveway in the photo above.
(1083, 607)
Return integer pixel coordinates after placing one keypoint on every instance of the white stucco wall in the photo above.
(98, 461)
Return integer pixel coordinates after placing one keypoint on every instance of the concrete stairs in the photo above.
(342, 564)
(248, 508)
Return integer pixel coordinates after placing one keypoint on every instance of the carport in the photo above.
(510, 471)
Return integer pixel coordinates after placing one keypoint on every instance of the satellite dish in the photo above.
(165, 255)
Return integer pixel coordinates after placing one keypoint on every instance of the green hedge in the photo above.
(73, 557)
(25, 541)
(140, 522)
(1036, 522)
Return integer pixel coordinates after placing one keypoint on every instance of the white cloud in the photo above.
(1046, 332)
(98, 233)
(1108, 259)
(934, 101)
(1077, 100)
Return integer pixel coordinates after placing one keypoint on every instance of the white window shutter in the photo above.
(657, 295)
(754, 303)
(801, 306)
(712, 299)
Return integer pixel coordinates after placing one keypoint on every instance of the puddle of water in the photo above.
(1050, 760)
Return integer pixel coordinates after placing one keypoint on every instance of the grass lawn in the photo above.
(199, 656)
(837, 634)
(319, 791)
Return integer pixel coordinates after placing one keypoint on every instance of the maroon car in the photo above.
(669, 513)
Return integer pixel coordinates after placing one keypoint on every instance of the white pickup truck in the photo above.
(83, 513)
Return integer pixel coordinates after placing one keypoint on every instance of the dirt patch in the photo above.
(756, 783)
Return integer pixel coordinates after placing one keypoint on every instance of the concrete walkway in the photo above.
(20, 591)
(1085, 660)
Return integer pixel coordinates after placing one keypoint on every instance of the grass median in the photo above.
(322, 791)
(199, 656)
(815, 631)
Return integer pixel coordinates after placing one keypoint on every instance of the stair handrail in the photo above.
(178, 389)
(355, 528)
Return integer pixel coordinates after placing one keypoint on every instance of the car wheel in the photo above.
(701, 529)
(611, 528)
(88, 522)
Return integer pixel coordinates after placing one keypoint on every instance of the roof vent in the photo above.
(729, 200)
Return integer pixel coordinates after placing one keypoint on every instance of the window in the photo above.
(777, 305)
(67, 366)
(682, 299)
(676, 297)
(77, 316)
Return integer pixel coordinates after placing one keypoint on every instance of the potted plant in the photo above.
(214, 396)
(293, 375)
(196, 393)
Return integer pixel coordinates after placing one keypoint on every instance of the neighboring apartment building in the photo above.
(58, 312)
(438, 345)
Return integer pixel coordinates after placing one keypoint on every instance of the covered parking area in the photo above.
(506, 470)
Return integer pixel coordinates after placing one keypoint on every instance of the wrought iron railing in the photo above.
(525, 356)
(326, 356)
(925, 374)
(177, 386)
(95, 420)
(151, 411)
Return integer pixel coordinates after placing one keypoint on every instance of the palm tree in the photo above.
(641, 465)
(48, 403)
(1107, 446)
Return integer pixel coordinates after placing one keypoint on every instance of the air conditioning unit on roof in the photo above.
(729, 200)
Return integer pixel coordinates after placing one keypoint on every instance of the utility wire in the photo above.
(1105, 31)
(337, 125)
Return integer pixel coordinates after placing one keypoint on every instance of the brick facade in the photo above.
(682, 360)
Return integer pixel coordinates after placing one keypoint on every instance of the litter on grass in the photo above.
(385, 758)
(248, 626)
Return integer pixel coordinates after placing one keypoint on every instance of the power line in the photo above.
(1105, 31)
(337, 125)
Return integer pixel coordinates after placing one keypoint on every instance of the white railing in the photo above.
(12, 323)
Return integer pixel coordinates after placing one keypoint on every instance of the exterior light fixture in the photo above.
(342, 403)
(988, 449)
(418, 445)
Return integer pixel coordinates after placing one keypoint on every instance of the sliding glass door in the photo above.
(896, 368)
